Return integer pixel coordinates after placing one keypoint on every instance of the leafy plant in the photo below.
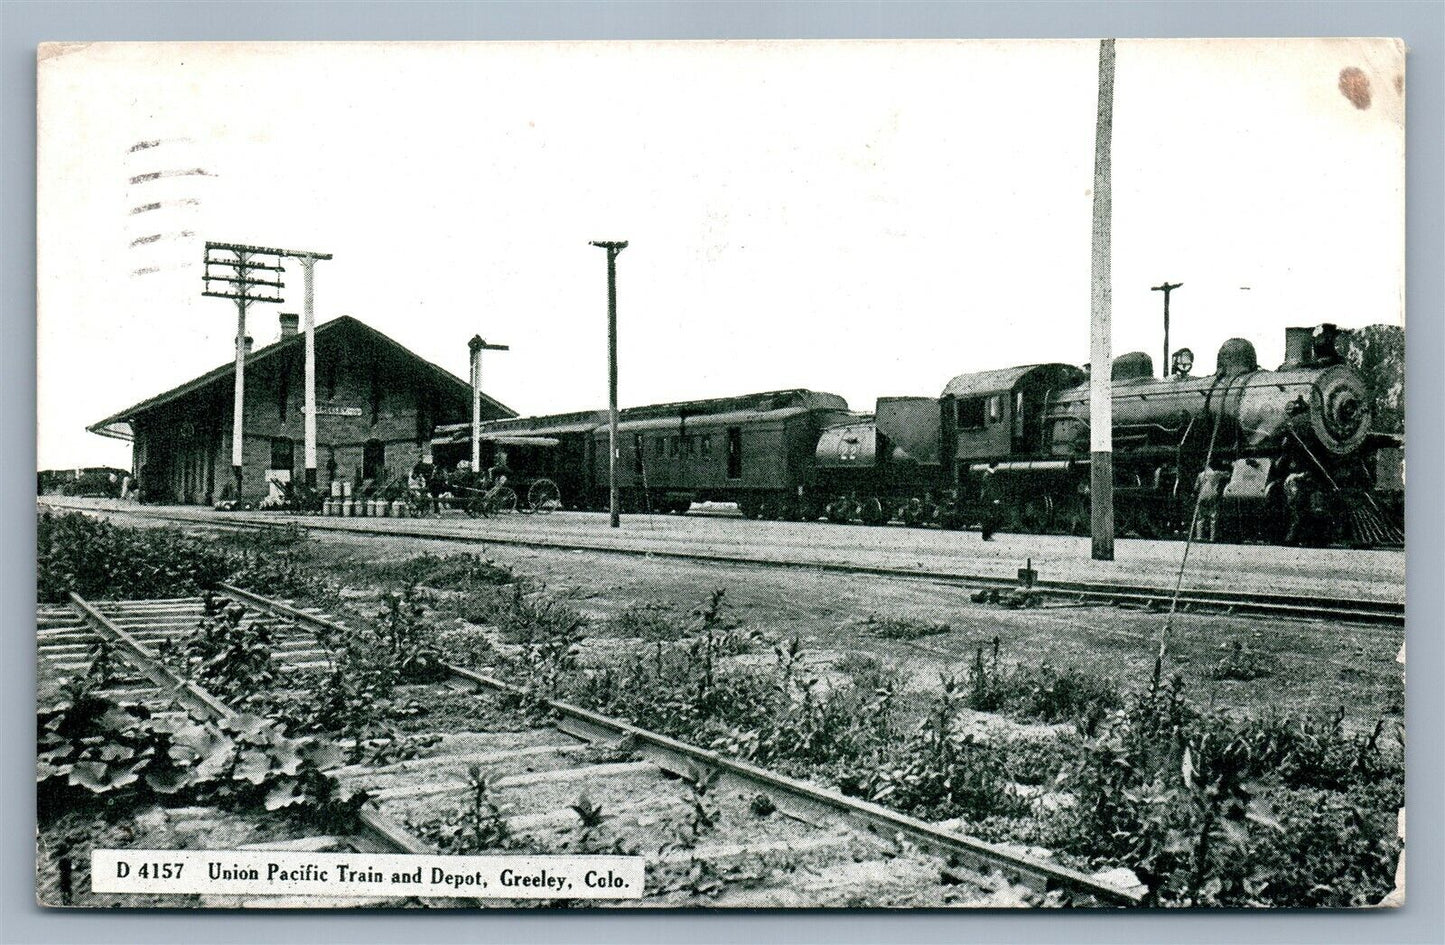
(226, 654)
(942, 772)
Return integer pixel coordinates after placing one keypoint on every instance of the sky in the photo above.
(868, 219)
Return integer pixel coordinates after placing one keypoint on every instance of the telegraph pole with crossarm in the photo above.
(239, 272)
(613, 248)
(1166, 288)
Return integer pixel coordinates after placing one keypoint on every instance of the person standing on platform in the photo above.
(1210, 485)
(988, 493)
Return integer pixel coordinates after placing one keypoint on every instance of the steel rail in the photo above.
(974, 853)
(1291, 606)
(378, 827)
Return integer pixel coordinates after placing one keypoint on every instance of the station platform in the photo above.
(1329, 572)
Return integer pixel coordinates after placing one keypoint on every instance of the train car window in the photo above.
(661, 445)
(995, 409)
(637, 454)
(706, 445)
(672, 446)
(687, 446)
(735, 452)
(970, 413)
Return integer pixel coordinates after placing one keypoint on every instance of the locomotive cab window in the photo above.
(971, 411)
(995, 408)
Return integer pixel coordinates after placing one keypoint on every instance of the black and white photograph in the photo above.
(889, 474)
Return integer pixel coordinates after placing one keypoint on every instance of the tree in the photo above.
(1378, 353)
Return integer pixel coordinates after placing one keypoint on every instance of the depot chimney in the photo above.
(290, 325)
(250, 343)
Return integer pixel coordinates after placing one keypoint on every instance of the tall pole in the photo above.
(1101, 405)
(238, 406)
(477, 346)
(613, 248)
(1166, 288)
(234, 277)
(308, 265)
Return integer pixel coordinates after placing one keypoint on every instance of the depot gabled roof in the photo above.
(111, 425)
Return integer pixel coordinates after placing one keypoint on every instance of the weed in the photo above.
(226, 654)
(903, 628)
(1043, 692)
(478, 826)
(1243, 664)
(941, 772)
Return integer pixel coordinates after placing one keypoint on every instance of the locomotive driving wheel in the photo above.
(544, 497)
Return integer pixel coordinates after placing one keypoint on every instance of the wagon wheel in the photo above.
(1038, 513)
(503, 499)
(543, 497)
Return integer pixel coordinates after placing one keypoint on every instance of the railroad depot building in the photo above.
(377, 405)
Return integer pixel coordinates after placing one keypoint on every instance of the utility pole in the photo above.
(613, 248)
(1101, 404)
(477, 346)
(1166, 288)
(308, 265)
(238, 265)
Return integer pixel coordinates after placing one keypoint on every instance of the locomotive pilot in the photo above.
(1298, 492)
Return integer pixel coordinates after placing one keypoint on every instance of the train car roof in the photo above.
(1002, 379)
(579, 421)
(799, 398)
(705, 420)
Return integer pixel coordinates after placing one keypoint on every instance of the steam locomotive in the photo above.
(1009, 446)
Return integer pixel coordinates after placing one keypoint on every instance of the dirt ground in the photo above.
(1313, 666)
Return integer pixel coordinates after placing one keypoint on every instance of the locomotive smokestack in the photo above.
(1297, 346)
(250, 343)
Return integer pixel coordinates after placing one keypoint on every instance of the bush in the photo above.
(942, 773)
(1211, 810)
(96, 559)
(442, 572)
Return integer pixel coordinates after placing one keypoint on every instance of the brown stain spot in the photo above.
(1355, 86)
(1400, 83)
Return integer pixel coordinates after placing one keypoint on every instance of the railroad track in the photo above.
(1120, 594)
(699, 817)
